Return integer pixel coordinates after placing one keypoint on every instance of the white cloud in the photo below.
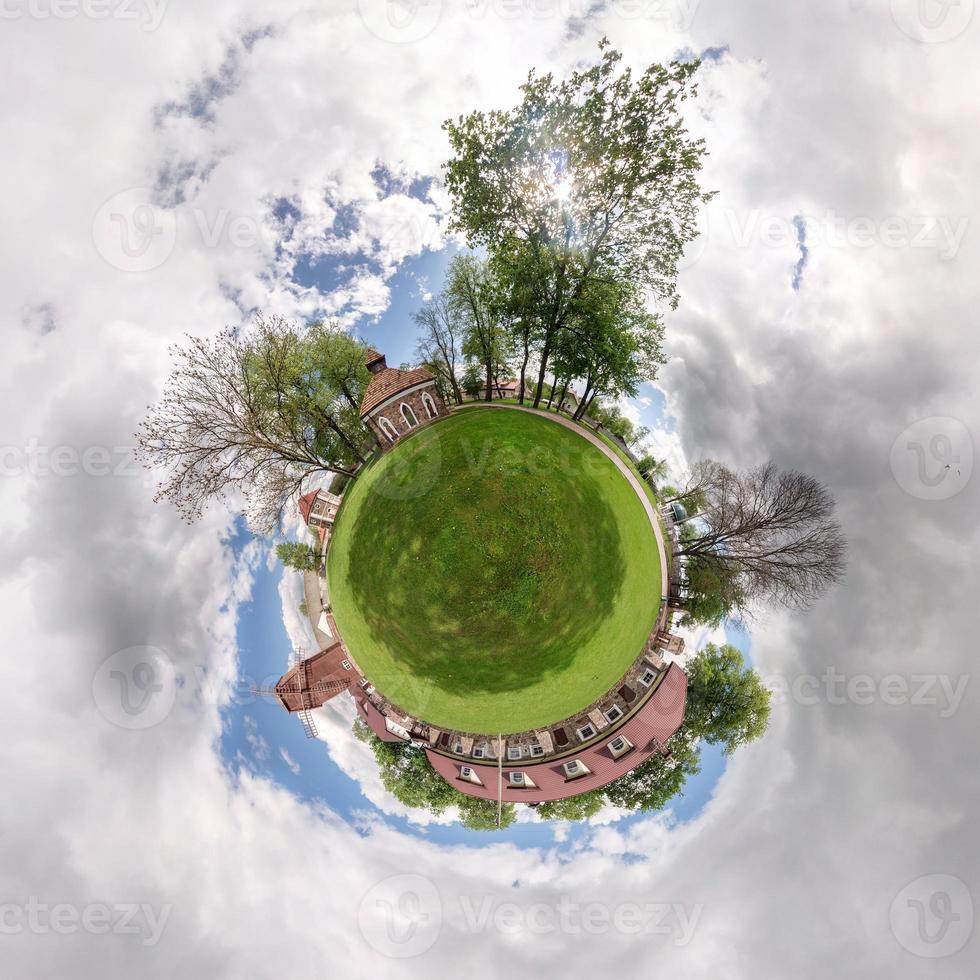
(813, 831)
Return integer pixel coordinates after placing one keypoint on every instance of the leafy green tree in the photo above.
(296, 554)
(472, 293)
(727, 703)
(477, 814)
(654, 783)
(406, 774)
(713, 593)
(579, 807)
(588, 180)
(472, 381)
(652, 469)
(613, 420)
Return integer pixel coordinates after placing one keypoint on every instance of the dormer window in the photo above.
(620, 745)
(346, 664)
(467, 773)
(517, 779)
(574, 768)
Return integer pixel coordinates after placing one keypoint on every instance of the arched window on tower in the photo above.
(388, 429)
(430, 405)
(411, 420)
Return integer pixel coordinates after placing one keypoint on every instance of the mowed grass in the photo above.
(493, 573)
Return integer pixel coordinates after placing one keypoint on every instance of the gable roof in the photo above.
(388, 383)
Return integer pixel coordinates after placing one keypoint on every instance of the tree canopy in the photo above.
(589, 184)
(300, 556)
(406, 774)
(254, 415)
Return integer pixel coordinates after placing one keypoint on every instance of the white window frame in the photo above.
(537, 750)
(519, 781)
(616, 711)
(478, 752)
(430, 406)
(642, 678)
(346, 664)
(406, 407)
(590, 728)
(389, 430)
(515, 752)
(627, 746)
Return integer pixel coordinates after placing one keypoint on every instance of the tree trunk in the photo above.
(489, 396)
(564, 392)
(545, 353)
(345, 439)
(527, 357)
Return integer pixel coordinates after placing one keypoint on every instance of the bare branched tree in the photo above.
(253, 418)
(774, 531)
(439, 343)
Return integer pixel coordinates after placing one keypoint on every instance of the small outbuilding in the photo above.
(397, 402)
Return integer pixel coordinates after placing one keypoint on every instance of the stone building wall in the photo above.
(392, 413)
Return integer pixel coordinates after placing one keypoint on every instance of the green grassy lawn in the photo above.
(493, 573)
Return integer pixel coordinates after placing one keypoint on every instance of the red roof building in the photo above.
(578, 770)
(319, 508)
(311, 683)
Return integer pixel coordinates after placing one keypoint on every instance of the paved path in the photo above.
(604, 448)
(314, 606)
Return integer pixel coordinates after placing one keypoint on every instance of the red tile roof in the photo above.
(306, 504)
(390, 382)
(650, 728)
(371, 356)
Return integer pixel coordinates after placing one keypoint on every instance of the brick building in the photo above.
(319, 508)
(397, 402)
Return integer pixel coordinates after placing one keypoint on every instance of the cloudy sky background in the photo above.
(292, 151)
